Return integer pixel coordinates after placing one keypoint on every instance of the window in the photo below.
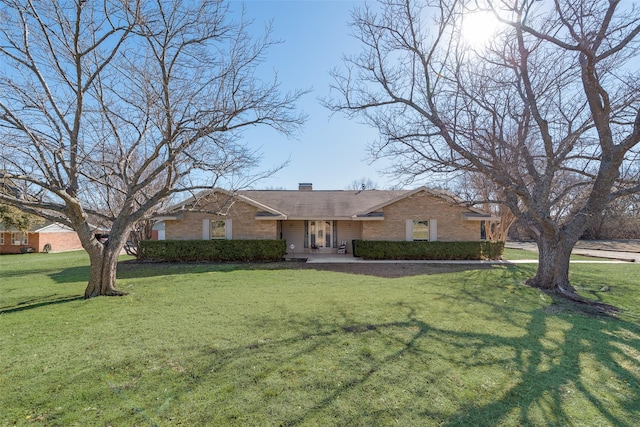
(320, 234)
(1, 238)
(426, 230)
(19, 239)
(217, 230)
(420, 230)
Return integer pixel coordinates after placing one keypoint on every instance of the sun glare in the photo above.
(479, 28)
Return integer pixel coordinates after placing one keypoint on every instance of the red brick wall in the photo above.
(59, 241)
(8, 248)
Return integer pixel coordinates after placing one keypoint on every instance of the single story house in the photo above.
(322, 221)
(48, 237)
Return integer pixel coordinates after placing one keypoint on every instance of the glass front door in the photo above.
(320, 233)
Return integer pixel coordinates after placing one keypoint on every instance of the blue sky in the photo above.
(330, 151)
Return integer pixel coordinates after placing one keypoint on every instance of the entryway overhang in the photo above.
(472, 216)
(371, 216)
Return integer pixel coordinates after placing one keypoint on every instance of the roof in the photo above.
(41, 227)
(325, 204)
(319, 204)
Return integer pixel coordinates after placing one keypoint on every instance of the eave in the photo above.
(472, 216)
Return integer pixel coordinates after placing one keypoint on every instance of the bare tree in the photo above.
(362, 184)
(620, 220)
(549, 110)
(108, 108)
(476, 189)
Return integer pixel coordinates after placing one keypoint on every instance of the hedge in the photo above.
(212, 250)
(479, 250)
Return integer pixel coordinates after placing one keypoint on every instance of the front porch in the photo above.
(319, 237)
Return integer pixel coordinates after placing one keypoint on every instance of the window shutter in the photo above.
(306, 234)
(409, 230)
(206, 223)
(228, 230)
(433, 230)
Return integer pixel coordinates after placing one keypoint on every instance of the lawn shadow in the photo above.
(43, 301)
(396, 269)
(135, 269)
(71, 275)
(547, 365)
(547, 385)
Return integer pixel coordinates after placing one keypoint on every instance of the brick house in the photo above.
(50, 237)
(322, 220)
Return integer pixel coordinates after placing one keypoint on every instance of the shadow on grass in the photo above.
(21, 273)
(134, 269)
(590, 358)
(399, 269)
(71, 275)
(38, 302)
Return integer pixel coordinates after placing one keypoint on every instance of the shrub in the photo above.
(212, 250)
(370, 249)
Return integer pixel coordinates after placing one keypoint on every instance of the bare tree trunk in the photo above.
(554, 254)
(102, 278)
(104, 263)
(500, 231)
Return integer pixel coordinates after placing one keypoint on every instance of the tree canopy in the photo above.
(110, 108)
(548, 110)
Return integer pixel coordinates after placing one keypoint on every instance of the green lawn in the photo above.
(198, 344)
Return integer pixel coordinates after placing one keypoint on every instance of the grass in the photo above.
(245, 345)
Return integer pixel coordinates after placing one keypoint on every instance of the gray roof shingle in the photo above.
(329, 204)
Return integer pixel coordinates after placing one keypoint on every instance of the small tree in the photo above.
(108, 108)
(477, 189)
(548, 111)
(10, 216)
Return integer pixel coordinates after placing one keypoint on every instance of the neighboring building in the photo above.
(322, 220)
(40, 238)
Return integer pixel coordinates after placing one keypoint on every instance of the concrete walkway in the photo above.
(348, 258)
(606, 252)
(624, 250)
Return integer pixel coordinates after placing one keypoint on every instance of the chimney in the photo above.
(305, 186)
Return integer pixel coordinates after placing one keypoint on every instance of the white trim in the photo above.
(167, 218)
(433, 230)
(53, 228)
(469, 216)
(409, 230)
(271, 218)
(206, 233)
(18, 241)
(228, 229)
